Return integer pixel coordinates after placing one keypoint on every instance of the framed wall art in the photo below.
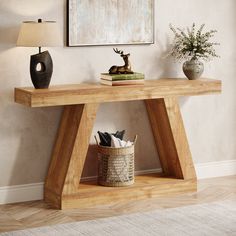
(110, 22)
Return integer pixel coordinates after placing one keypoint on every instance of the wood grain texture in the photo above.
(63, 188)
(94, 93)
(170, 137)
(180, 139)
(146, 186)
(69, 152)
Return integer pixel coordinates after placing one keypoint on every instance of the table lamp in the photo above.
(39, 34)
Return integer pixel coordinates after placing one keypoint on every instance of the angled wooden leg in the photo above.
(170, 137)
(69, 153)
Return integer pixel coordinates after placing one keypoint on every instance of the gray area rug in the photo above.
(214, 219)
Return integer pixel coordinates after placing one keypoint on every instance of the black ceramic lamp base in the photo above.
(41, 68)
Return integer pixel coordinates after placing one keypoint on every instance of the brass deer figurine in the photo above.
(126, 68)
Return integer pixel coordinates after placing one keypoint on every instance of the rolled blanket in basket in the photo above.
(116, 142)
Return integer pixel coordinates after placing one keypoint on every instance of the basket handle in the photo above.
(96, 139)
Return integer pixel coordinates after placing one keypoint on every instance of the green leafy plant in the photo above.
(193, 44)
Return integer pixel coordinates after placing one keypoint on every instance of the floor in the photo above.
(35, 214)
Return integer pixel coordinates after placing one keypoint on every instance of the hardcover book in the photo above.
(119, 77)
(122, 82)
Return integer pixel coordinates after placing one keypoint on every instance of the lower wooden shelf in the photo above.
(145, 186)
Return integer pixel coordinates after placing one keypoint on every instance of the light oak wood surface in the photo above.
(59, 95)
(69, 152)
(63, 189)
(170, 137)
(145, 186)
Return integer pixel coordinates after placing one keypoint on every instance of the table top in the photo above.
(69, 94)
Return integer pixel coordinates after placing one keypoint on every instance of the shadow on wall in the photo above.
(91, 162)
(32, 137)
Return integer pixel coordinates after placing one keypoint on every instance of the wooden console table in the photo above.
(62, 186)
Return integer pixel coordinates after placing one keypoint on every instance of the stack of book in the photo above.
(122, 79)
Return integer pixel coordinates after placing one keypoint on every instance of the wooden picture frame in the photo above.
(110, 22)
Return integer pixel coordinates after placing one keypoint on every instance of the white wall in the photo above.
(27, 135)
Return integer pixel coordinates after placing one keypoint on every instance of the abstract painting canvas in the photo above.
(110, 22)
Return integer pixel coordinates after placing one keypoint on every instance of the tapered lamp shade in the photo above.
(40, 34)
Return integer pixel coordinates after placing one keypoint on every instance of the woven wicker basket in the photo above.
(116, 166)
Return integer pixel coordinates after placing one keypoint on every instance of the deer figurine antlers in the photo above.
(126, 68)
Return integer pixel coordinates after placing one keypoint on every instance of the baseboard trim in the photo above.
(21, 193)
(31, 192)
(215, 169)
